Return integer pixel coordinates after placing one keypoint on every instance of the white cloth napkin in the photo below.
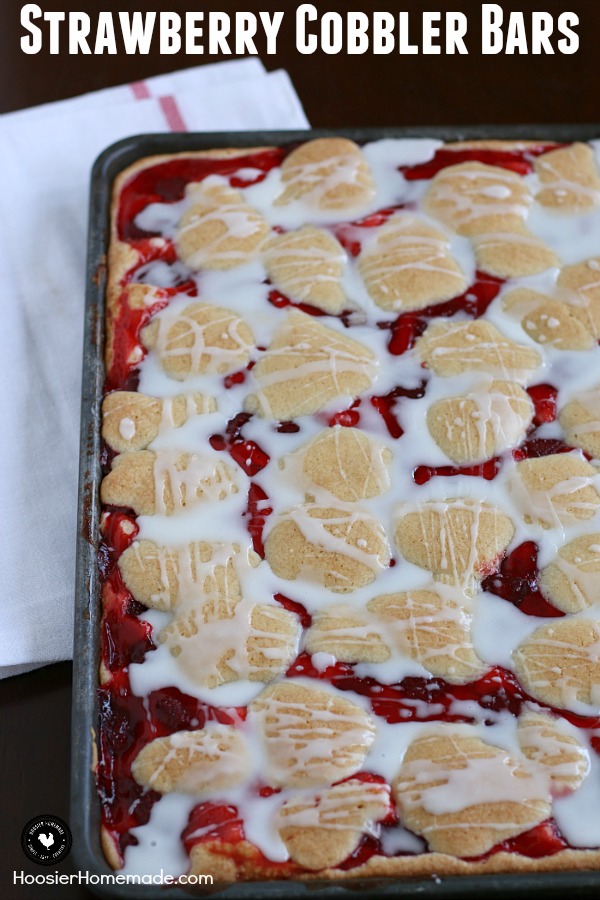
(46, 154)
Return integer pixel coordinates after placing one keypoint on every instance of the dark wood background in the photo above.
(336, 91)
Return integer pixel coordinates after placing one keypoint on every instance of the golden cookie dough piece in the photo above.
(219, 230)
(201, 340)
(464, 796)
(164, 577)
(131, 420)
(572, 581)
(347, 463)
(458, 541)
(579, 286)
(233, 860)
(311, 737)
(489, 204)
(512, 254)
(349, 633)
(326, 174)
(409, 266)
(547, 320)
(307, 266)
(432, 628)
(273, 641)
(193, 762)
(546, 743)
(342, 549)
(482, 424)
(580, 421)
(322, 830)
(306, 366)
(569, 178)
(491, 144)
(559, 664)
(474, 198)
(555, 490)
(166, 482)
(253, 642)
(449, 348)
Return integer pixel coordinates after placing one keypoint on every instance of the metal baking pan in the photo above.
(85, 807)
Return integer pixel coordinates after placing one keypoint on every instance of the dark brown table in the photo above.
(336, 91)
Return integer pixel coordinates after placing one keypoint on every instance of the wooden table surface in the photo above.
(336, 91)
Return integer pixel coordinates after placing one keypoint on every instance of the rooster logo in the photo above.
(46, 839)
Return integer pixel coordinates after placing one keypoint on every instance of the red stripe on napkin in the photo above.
(172, 113)
(140, 89)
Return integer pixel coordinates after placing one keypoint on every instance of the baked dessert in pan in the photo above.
(351, 511)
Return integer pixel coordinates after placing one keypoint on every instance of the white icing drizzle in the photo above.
(127, 428)
(336, 809)
(374, 459)
(479, 780)
(196, 477)
(422, 630)
(167, 418)
(577, 813)
(218, 747)
(590, 401)
(465, 206)
(452, 534)
(159, 846)
(203, 356)
(545, 747)
(494, 410)
(305, 259)
(499, 627)
(236, 645)
(225, 208)
(583, 575)
(398, 248)
(541, 648)
(549, 506)
(318, 745)
(317, 532)
(326, 362)
(193, 575)
(312, 182)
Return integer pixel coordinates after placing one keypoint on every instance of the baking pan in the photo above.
(85, 806)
